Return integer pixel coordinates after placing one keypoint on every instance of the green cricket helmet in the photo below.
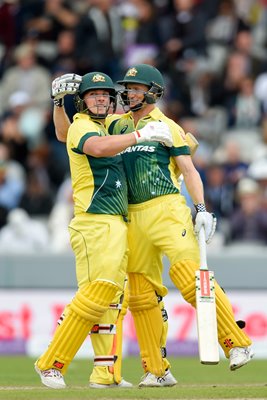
(147, 75)
(94, 81)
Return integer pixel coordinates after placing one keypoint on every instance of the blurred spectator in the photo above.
(14, 168)
(249, 222)
(12, 182)
(26, 76)
(22, 234)
(11, 188)
(56, 162)
(260, 89)
(184, 47)
(234, 165)
(258, 171)
(21, 126)
(3, 216)
(145, 38)
(64, 59)
(245, 43)
(184, 32)
(246, 110)
(224, 89)
(37, 199)
(99, 39)
(7, 31)
(48, 18)
(60, 217)
(221, 32)
(219, 195)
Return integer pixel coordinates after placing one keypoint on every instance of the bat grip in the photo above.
(202, 249)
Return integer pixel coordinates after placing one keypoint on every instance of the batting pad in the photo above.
(103, 345)
(111, 345)
(87, 307)
(146, 313)
(229, 334)
(102, 342)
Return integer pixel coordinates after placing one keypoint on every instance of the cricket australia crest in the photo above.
(98, 78)
(132, 72)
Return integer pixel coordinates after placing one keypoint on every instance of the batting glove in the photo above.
(63, 85)
(154, 132)
(207, 220)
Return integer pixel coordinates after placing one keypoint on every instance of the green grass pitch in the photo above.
(18, 380)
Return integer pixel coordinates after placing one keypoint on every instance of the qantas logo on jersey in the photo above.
(132, 149)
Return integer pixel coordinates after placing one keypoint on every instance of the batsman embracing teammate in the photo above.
(98, 231)
(161, 223)
(107, 344)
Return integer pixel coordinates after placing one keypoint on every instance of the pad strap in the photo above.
(115, 306)
(104, 329)
(104, 361)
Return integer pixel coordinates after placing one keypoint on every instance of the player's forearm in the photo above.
(108, 146)
(194, 186)
(62, 123)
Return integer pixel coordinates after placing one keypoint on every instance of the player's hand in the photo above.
(65, 84)
(208, 221)
(154, 132)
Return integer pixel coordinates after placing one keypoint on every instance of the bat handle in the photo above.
(202, 249)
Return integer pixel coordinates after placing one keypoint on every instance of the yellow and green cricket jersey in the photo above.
(150, 168)
(99, 184)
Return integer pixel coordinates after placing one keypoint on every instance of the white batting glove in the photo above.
(63, 85)
(207, 220)
(154, 132)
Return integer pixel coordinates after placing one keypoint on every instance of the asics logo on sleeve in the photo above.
(124, 129)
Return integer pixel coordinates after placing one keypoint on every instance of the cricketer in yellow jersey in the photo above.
(106, 347)
(162, 222)
(98, 227)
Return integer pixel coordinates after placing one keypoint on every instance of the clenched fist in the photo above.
(65, 84)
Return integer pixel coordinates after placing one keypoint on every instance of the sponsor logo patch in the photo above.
(124, 129)
(205, 283)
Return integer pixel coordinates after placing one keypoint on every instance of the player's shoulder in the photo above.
(174, 126)
(82, 122)
(113, 120)
(112, 117)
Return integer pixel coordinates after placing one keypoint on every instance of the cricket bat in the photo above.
(206, 308)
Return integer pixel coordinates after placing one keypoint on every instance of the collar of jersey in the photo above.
(155, 114)
(86, 117)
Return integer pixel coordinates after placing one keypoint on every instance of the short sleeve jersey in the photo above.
(151, 169)
(99, 184)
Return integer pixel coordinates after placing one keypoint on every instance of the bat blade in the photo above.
(206, 317)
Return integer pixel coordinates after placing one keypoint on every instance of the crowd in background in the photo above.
(213, 56)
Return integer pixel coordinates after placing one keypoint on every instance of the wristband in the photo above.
(137, 135)
(200, 207)
(59, 102)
